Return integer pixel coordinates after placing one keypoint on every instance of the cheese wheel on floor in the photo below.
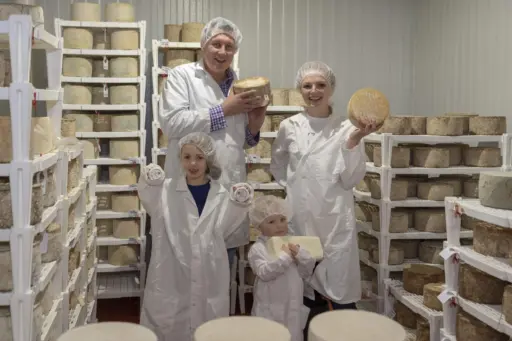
(107, 331)
(354, 325)
(237, 328)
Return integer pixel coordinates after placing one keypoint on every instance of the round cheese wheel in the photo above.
(85, 11)
(191, 32)
(124, 40)
(77, 38)
(107, 331)
(120, 12)
(124, 67)
(365, 104)
(354, 323)
(77, 94)
(77, 67)
(259, 84)
(172, 32)
(236, 328)
(124, 94)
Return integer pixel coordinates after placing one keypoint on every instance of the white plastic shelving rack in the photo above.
(115, 281)
(454, 253)
(385, 205)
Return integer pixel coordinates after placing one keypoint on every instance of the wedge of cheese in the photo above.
(311, 244)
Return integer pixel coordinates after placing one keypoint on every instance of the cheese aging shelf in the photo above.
(103, 76)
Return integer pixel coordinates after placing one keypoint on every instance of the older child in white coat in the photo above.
(188, 276)
(279, 287)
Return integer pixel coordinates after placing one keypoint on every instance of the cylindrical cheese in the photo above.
(434, 190)
(124, 40)
(77, 67)
(396, 125)
(125, 122)
(429, 157)
(240, 327)
(191, 32)
(492, 240)
(400, 157)
(482, 157)
(455, 152)
(124, 94)
(418, 125)
(170, 55)
(470, 187)
(119, 12)
(399, 221)
(429, 251)
(126, 228)
(446, 125)
(124, 148)
(123, 175)
(172, 32)
(77, 94)
(124, 67)
(430, 293)
(494, 190)
(85, 11)
(405, 316)
(399, 189)
(487, 125)
(430, 220)
(417, 275)
(125, 202)
(469, 328)
(109, 331)
(480, 287)
(77, 38)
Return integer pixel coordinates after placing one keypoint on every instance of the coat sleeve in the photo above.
(237, 208)
(305, 263)
(177, 119)
(150, 188)
(264, 268)
(280, 156)
(351, 165)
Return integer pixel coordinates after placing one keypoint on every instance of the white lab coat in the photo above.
(319, 180)
(188, 94)
(279, 289)
(188, 276)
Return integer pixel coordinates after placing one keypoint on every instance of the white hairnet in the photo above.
(266, 206)
(315, 68)
(206, 145)
(218, 26)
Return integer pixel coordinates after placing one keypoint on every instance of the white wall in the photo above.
(463, 57)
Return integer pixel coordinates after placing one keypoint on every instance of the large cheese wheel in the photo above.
(311, 244)
(354, 323)
(77, 94)
(124, 94)
(236, 328)
(123, 175)
(172, 32)
(124, 67)
(123, 255)
(418, 125)
(495, 189)
(482, 156)
(396, 255)
(191, 32)
(399, 189)
(124, 40)
(430, 293)
(280, 96)
(430, 157)
(368, 104)
(77, 38)
(480, 287)
(417, 275)
(126, 228)
(435, 190)
(125, 122)
(429, 251)
(85, 11)
(455, 152)
(124, 148)
(507, 303)
(492, 240)
(396, 125)
(487, 125)
(260, 85)
(410, 247)
(405, 316)
(430, 220)
(469, 328)
(400, 157)
(119, 12)
(77, 67)
(170, 55)
(399, 221)
(446, 125)
(124, 202)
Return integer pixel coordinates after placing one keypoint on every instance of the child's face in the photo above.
(193, 162)
(275, 225)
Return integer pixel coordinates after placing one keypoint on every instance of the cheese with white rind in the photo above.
(310, 244)
(495, 189)
(366, 104)
(405, 316)
(487, 125)
(422, 329)
(260, 85)
(417, 276)
(77, 67)
(430, 220)
(446, 125)
(77, 94)
(123, 175)
(482, 157)
(507, 303)
(124, 67)
(480, 287)
(191, 32)
(400, 157)
(396, 125)
(492, 240)
(430, 293)
(455, 151)
(469, 328)
(435, 190)
(429, 252)
(410, 247)
(430, 157)
(395, 255)
(399, 189)
(119, 12)
(470, 187)
(124, 202)
(124, 39)
(85, 11)
(399, 221)
(124, 148)
(77, 38)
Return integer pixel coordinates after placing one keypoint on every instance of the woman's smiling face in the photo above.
(316, 91)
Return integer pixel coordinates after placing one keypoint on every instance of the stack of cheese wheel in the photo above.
(236, 328)
(122, 39)
(85, 11)
(366, 104)
(191, 32)
(172, 32)
(108, 331)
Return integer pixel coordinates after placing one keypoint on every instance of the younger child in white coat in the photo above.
(279, 287)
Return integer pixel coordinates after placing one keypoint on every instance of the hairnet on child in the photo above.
(266, 206)
(315, 68)
(218, 26)
(206, 145)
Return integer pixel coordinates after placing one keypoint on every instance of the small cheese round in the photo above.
(365, 104)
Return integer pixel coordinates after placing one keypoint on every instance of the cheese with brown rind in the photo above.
(122, 39)
(260, 85)
(455, 151)
(429, 252)
(431, 220)
(507, 303)
(430, 293)
(119, 12)
(480, 287)
(396, 125)
(430, 157)
(446, 125)
(400, 157)
(418, 125)
(487, 125)
(85, 11)
(368, 149)
(482, 157)
(410, 247)
(492, 240)
(470, 187)
(435, 190)
(191, 32)
(399, 222)
(422, 329)
(366, 242)
(495, 189)
(417, 276)
(399, 189)
(366, 104)
(405, 316)
(395, 255)
(469, 328)
(172, 32)
(280, 96)
(454, 181)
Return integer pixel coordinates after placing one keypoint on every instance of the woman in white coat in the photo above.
(320, 157)
(188, 277)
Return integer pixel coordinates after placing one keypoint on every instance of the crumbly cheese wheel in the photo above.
(396, 255)
(479, 287)
(77, 67)
(124, 148)
(368, 104)
(236, 328)
(492, 240)
(469, 328)
(429, 251)
(124, 94)
(405, 316)
(368, 149)
(124, 202)
(98, 68)
(85, 11)
(482, 157)
(170, 55)
(124, 67)
(430, 293)
(258, 173)
(470, 187)
(418, 125)
(434, 190)
(123, 175)
(400, 157)
(126, 228)
(102, 122)
(295, 98)
(124, 39)
(67, 126)
(418, 275)
(172, 32)
(396, 125)
(280, 96)
(191, 32)
(399, 221)
(363, 211)
(507, 303)
(455, 182)
(399, 189)
(494, 189)
(99, 96)
(119, 12)
(91, 148)
(366, 242)
(430, 220)
(410, 247)
(446, 125)
(101, 40)
(429, 157)
(455, 151)
(77, 38)
(123, 255)
(77, 94)
(487, 125)
(124, 122)
(422, 329)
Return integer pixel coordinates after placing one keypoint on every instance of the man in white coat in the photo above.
(196, 98)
